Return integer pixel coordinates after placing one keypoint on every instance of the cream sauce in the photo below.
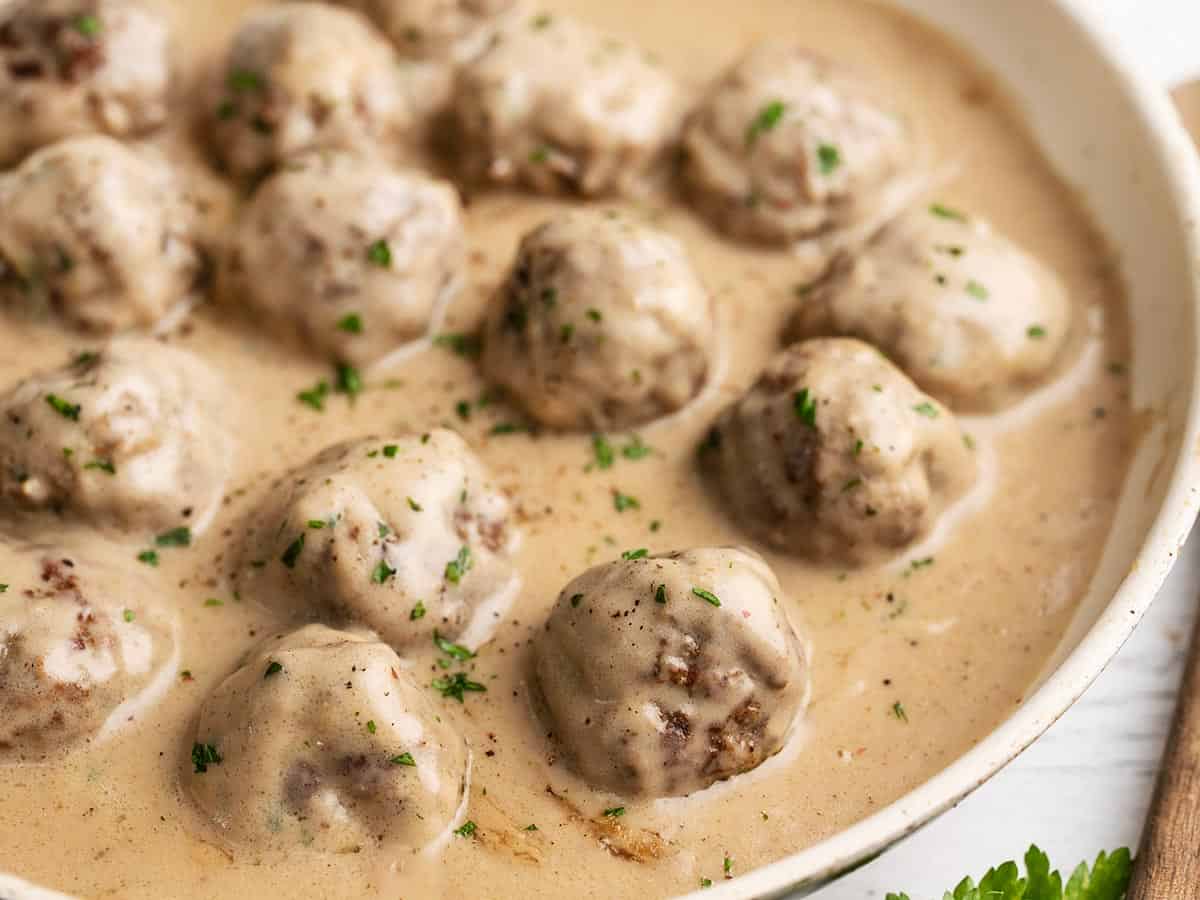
(957, 643)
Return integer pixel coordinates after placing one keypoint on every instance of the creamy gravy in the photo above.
(956, 643)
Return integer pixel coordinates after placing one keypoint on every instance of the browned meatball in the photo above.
(664, 674)
(74, 67)
(834, 454)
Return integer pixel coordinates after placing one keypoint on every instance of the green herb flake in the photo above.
(804, 405)
(243, 80)
(507, 428)
(977, 290)
(530, 828)
(576, 599)
(390, 450)
(539, 154)
(64, 408)
(766, 119)
(273, 668)
(317, 524)
(567, 332)
(403, 759)
(128, 615)
(314, 397)
(349, 381)
(414, 505)
(463, 408)
(1035, 332)
(851, 485)
(176, 537)
(466, 345)
(640, 553)
(603, 452)
(898, 711)
(3, 588)
(707, 596)
(636, 449)
(382, 572)
(595, 315)
(456, 686)
(946, 212)
(88, 25)
(149, 557)
(203, 756)
(467, 829)
(379, 254)
(857, 448)
(103, 465)
(614, 812)
(214, 601)
(351, 323)
(457, 651)
(293, 551)
(927, 409)
(459, 566)
(727, 866)
(371, 726)
(829, 158)
(705, 882)
(660, 595)
(622, 502)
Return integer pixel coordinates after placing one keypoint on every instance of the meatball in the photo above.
(788, 147)
(307, 76)
(351, 256)
(601, 323)
(130, 437)
(76, 641)
(73, 67)
(353, 754)
(835, 455)
(97, 234)
(406, 535)
(966, 313)
(664, 674)
(452, 30)
(555, 105)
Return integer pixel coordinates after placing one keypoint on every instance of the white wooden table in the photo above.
(1086, 784)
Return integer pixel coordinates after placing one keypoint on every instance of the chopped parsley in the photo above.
(946, 212)
(315, 396)
(595, 315)
(128, 615)
(636, 449)
(921, 563)
(467, 829)
(531, 828)
(468, 345)
(458, 651)
(898, 711)
(927, 409)
(768, 117)
(104, 465)
(63, 407)
(403, 759)
(370, 726)
(293, 551)
(384, 531)
(576, 599)
(88, 25)
(149, 557)
(176, 537)
(614, 812)
(1035, 332)
(380, 254)
(660, 595)
(240, 80)
(351, 323)
(622, 502)
(857, 448)
(567, 332)
(705, 882)
(414, 505)
(418, 611)
(977, 290)
(828, 158)
(852, 484)
(3, 588)
(214, 601)
(456, 685)
(640, 553)
(463, 408)
(349, 381)
(805, 406)
(273, 668)
(507, 428)
(203, 756)
(459, 566)
(317, 524)
(707, 596)
(382, 572)
(539, 154)
(603, 451)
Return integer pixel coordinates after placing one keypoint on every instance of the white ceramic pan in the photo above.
(1114, 136)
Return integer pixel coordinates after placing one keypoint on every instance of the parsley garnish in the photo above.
(660, 595)
(382, 572)
(603, 451)
(707, 596)
(456, 685)
(149, 557)
(316, 524)
(418, 612)
(403, 759)
(507, 428)
(104, 465)
(622, 502)
(64, 408)
(205, 755)
(614, 812)
(927, 409)
(539, 154)
(214, 601)
(1035, 331)
(414, 505)
(640, 553)
(576, 599)
(898, 711)
(463, 408)
(945, 212)
(293, 551)
(458, 651)
(273, 668)
(243, 80)
(467, 829)
(977, 290)
(128, 615)
(636, 450)
(460, 344)
(351, 323)
(459, 566)
(88, 25)
(315, 396)
(595, 315)
(176, 537)
(805, 406)
(349, 381)
(705, 882)
(380, 254)
(370, 726)
(3, 588)
(768, 117)
(829, 158)
(531, 828)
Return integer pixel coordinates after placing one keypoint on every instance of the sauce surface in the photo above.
(913, 662)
